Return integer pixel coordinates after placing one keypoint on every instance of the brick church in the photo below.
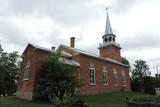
(96, 73)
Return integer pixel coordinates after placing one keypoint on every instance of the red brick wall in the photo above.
(26, 87)
(111, 52)
(85, 61)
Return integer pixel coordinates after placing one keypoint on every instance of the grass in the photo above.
(109, 99)
(103, 100)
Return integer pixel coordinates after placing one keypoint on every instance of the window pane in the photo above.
(105, 76)
(26, 71)
(92, 74)
(123, 77)
(115, 74)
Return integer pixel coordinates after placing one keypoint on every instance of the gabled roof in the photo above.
(66, 57)
(78, 51)
(37, 47)
(41, 48)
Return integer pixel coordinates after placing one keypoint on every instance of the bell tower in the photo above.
(109, 47)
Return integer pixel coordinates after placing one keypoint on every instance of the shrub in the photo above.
(145, 98)
(148, 85)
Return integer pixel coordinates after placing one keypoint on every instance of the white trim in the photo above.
(92, 75)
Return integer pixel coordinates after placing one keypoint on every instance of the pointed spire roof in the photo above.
(108, 29)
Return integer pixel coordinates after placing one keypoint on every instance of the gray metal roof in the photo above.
(78, 51)
(66, 57)
(42, 48)
(68, 61)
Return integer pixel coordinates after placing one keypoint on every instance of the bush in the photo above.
(148, 85)
(135, 85)
(145, 98)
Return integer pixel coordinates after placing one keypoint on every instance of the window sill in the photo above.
(92, 84)
(116, 85)
(124, 85)
(105, 84)
(25, 79)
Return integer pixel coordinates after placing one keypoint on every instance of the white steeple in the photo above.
(108, 38)
(108, 28)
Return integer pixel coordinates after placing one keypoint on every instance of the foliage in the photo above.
(141, 69)
(125, 61)
(55, 78)
(135, 85)
(69, 101)
(8, 72)
(148, 85)
(145, 98)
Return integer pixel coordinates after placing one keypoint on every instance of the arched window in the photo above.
(115, 75)
(105, 76)
(26, 71)
(92, 78)
(123, 77)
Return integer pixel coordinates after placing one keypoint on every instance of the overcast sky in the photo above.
(48, 23)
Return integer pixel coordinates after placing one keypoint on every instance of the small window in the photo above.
(114, 39)
(106, 40)
(105, 76)
(92, 78)
(123, 77)
(115, 75)
(26, 71)
(110, 38)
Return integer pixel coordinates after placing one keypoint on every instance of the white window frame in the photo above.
(26, 71)
(115, 77)
(124, 77)
(105, 76)
(92, 75)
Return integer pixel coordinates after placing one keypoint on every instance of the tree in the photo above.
(125, 61)
(141, 70)
(58, 82)
(8, 72)
(55, 78)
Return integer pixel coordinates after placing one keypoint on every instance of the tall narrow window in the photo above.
(92, 78)
(115, 75)
(105, 76)
(26, 71)
(123, 77)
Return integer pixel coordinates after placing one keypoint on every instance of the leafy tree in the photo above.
(141, 70)
(125, 61)
(8, 72)
(55, 78)
(58, 82)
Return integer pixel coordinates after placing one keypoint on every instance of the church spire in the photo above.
(108, 28)
(108, 36)
(109, 47)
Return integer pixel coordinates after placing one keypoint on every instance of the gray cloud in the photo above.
(12, 34)
(141, 40)
(123, 6)
(65, 12)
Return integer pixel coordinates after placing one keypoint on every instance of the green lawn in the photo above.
(105, 100)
